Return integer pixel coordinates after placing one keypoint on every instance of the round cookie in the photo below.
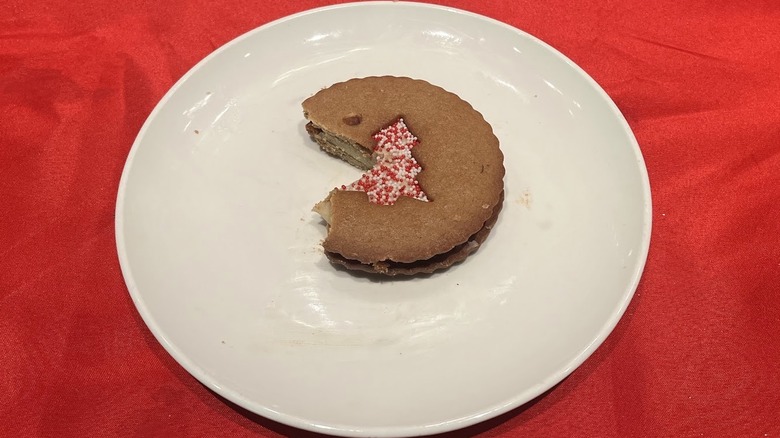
(462, 175)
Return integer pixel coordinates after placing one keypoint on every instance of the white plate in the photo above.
(221, 253)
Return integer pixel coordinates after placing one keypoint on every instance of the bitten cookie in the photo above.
(433, 186)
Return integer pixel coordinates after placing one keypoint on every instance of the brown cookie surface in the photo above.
(435, 263)
(462, 171)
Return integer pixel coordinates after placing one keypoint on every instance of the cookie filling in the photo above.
(340, 147)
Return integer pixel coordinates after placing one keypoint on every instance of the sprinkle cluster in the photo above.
(395, 172)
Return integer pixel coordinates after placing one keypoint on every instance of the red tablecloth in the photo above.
(696, 354)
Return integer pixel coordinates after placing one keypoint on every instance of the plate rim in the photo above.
(492, 411)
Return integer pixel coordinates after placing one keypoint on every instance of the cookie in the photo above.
(459, 174)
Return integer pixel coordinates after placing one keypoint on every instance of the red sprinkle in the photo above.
(394, 174)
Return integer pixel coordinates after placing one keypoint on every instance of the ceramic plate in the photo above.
(221, 252)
